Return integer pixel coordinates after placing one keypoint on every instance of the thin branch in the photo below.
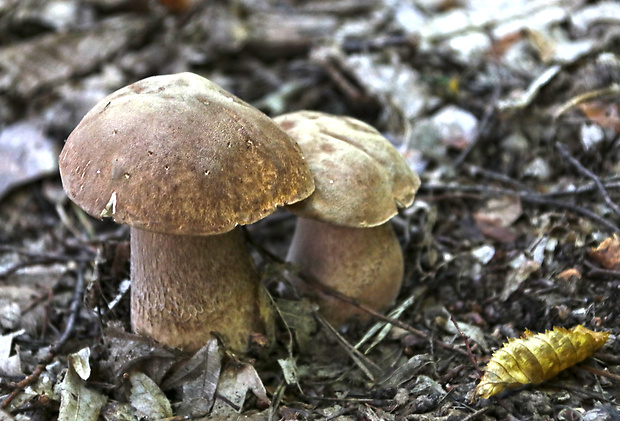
(74, 311)
(36, 258)
(587, 96)
(597, 271)
(584, 171)
(315, 283)
(601, 373)
(360, 359)
(474, 170)
(582, 391)
(356, 46)
(579, 210)
(36, 254)
(395, 322)
(586, 188)
(488, 113)
(526, 197)
(476, 414)
(472, 359)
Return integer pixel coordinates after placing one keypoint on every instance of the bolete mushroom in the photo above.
(183, 162)
(343, 237)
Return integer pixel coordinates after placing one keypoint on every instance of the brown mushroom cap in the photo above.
(361, 179)
(177, 154)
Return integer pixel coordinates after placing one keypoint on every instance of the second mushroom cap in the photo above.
(361, 179)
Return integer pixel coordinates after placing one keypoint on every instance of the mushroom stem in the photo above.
(185, 287)
(365, 264)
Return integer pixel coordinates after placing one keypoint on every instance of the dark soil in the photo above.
(499, 240)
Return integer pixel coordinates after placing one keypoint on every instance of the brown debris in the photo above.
(507, 110)
(607, 253)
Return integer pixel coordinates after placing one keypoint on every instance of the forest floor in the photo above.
(509, 113)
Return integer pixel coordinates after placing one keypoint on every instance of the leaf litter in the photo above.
(509, 113)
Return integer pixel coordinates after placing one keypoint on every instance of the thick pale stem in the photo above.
(362, 263)
(184, 287)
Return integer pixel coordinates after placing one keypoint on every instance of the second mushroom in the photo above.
(343, 237)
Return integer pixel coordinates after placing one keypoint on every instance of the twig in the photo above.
(582, 391)
(362, 362)
(305, 277)
(472, 359)
(526, 197)
(608, 358)
(492, 175)
(597, 271)
(201, 414)
(36, 258)
(583, 170)
(587, 96)
(601, 373)
(450, 374)
(193, 416)
(348, 87)
(356, 46)
(11, 249)
(579, 210)
(476, 414)
(276, 400)
(310, 280)
(74, 311)
(488, 113)
(227, 400)
(587, 188)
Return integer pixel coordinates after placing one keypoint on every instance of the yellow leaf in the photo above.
(534, 358)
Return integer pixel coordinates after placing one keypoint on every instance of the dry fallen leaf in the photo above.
(474, 333)
(146, 398)
(602, 113)
(568, 274)
(607, 253)
(497, 216)
(26, 154)
(534, 358)
(78, 402)
(298, 317)
(129, 352)
(521, 269)
(236, 380)
(199, 378)
(10, 365)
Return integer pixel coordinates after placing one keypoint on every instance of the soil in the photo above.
(515, 140)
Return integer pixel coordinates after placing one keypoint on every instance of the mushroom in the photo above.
(343, 237)
(183, 162)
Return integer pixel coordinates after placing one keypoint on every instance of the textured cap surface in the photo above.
(361, 179)
(178, 154)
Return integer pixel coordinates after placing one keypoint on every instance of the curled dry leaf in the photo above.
(605, 114)
(235, 381)
(534, 358)
(146, 398)
(569, 274)
(78, 402)
(497, 216)
(607, 253)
